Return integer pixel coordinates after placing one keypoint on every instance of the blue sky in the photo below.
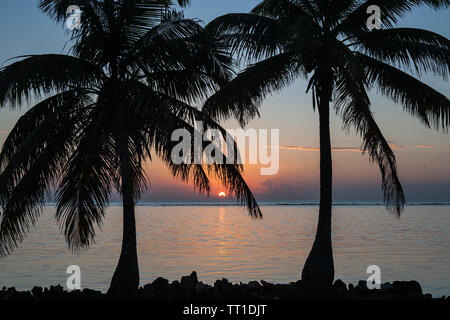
(425, 172)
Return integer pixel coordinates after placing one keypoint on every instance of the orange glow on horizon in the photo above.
(222, 194)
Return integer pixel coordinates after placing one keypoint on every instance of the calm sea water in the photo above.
(222, 241)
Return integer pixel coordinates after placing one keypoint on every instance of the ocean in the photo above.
(222, 241)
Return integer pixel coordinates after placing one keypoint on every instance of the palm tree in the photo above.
(329, 43)
(136, 68)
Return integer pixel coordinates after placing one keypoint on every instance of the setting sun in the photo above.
(222, 194)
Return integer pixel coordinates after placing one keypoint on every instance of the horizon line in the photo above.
(266, 203)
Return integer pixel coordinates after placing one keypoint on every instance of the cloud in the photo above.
(297, 148)
(3, 132)
(350, 149)
(283, 191)
(397, 147)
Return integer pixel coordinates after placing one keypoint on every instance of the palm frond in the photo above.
(282, 8)
(181, 52)
(57, 9)
(140, 16)
(259, 80)
(31, 158)
(160, 115)
(228, 172)
(45, 74)
(417, 98)
(353, 104)
(250, 36)
(414, 49)
(392, 10)
(86, 183)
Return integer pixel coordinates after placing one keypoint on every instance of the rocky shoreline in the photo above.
(189, 288)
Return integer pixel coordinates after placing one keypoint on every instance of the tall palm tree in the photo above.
(134, 71)
(329, 43)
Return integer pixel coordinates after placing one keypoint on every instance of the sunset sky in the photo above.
(423, 155)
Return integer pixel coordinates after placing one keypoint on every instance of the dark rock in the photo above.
(223, 288)
(267, 287)
(221, 282)
(254, 295)
(148, 292)
(9, 294)
(75, 294)
(266, 284)
(56, 289)
(387, 286)
(362, 284)
(299, 283)
(188, 286)
(161, 287)
(408, 288)
(340, 285)
(200, 288)
(89, 294)
(193, 276)
(174, 291)
(216, 294)
(227, 291)
(36, 291)
(244, 291)
(160, 282)
(254, 285)
(27, 296)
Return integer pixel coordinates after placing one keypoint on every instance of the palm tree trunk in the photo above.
(125, 281)
(319, 267)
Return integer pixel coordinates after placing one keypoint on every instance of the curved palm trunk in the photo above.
(125, 281)
(319, 267)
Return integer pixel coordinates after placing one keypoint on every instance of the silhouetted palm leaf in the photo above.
(105, 110)
(329, 42)
(333, 36)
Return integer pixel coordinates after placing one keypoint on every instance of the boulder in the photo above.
(37, 292)
(267, 287)
(387, 286)
(408, 288)
(89, 294)
(362, 284)
(9, 294)
(254, 285)
(75, 294)
(161, 287)
(148, 292)
(188, 286)
(193, 277)
(340, 285)
(216, 294)
(200, 288)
